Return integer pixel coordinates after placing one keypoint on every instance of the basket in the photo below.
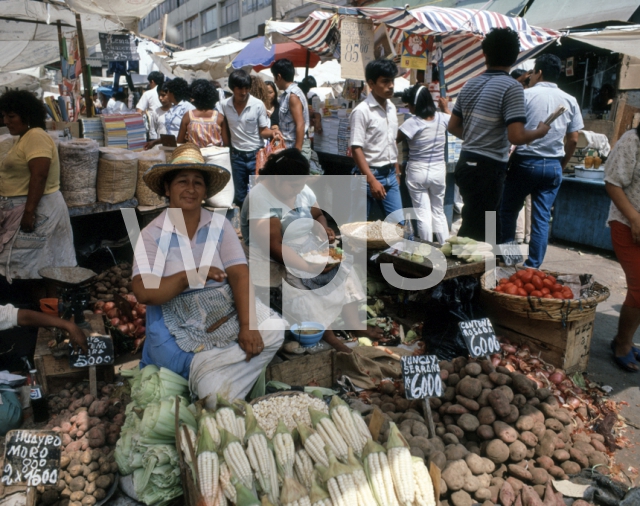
(547, 309)
(78, 171)
(348, 230)
(146, 160)
(117, 175)
(285, 393)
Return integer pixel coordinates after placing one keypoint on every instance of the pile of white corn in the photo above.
(331, 461)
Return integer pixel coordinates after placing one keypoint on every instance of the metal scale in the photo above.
(72, 285)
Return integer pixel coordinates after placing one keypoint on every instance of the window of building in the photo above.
(174, 35)
(191, 28)
(254, 5)
(230, 12)
(209, 20)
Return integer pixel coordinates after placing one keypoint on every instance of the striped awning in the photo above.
(461, 30)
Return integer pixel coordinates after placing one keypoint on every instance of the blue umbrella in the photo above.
(257, 56)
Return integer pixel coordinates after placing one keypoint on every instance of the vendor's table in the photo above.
(580, 213)
(53, 371)
(455, 268)
(303, 369)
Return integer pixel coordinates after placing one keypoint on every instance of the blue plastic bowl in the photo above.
(308, 340)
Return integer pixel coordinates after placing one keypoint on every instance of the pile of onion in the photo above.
(134, 328)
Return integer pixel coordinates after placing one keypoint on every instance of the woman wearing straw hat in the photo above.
(201, 314)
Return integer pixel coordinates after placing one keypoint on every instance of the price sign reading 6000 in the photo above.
(480, 338)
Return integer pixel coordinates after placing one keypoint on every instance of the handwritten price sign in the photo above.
(32, 458)
(356, 46)
(100, 353)
(421, 376)
(480, 337)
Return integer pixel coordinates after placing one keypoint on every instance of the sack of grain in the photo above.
(117, 175)
(220, 156)
(78, 171)
(146, 160)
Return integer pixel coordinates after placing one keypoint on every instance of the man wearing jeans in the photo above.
(536, 169)
(489, 116)
(374, 128)
(248, 126)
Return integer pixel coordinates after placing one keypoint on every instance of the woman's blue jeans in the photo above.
(540, 178)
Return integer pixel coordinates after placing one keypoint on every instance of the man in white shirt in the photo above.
(374, 128)
(149, 100)
(248, 126)
(157, 125)
(12, 317)
(116, 104)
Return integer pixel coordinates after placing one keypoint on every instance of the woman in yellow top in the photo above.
(35, 230)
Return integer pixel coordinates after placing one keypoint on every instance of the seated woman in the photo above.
(280, 204)
(205, 333)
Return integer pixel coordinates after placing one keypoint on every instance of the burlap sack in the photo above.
(368, 365)
(78, 171)
(117, 175)
(146, 160)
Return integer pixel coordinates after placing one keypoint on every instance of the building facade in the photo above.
(194, 23)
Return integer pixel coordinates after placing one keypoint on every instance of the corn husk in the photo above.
(335, 468)
(292, 491)
(318, 492)
(205, 443)
(335, 402)
(396, 439)
(245, 497)
(305, 432)
(317, 416)
(221, 402)
(252, 425)
(372, 447)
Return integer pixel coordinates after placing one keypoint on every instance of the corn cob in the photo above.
(240, 428)
(284, 449)
(314, 444)
(378, 471)
(261, 457)
(329, 433)
(401, 466)
(235, 458)
(345, 423)
(303, 467)
(425, 495)
(226, 417)
(339, 480)
(208, 422)
(363, 490)
(208, 469)
(221, 500)
(183, 442)
(293, 493)
(361, 426)
(225, 483)
(318, 495)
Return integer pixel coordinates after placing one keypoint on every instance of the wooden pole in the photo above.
(306, 70)
(163, 29)
(428, 417)
(86, 76)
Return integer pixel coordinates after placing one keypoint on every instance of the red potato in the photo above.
(507, 495)
(530, 497)
(113, 313)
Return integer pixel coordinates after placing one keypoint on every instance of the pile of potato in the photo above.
(499, 438)
(90, 428)
(117, 279)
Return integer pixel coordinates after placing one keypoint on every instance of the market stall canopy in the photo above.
(29, 35)
(259, 57)
(461, 30)
(559, 14)
(619, 39)
(208, 61)
(507, 7)
(126, 13)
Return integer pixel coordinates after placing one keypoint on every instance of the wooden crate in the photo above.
(319, 367)
(54, 372)
(565, 346)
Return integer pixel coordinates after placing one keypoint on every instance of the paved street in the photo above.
(626, 386)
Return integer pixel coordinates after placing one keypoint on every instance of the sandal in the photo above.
(625, 363)
(636, 352)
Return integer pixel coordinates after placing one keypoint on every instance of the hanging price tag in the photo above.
(421, 375)
(480, 337)
(100, 352)
(31, 457)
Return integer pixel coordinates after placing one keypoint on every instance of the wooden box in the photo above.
(566, 346)
(319, 367)
(54, 372)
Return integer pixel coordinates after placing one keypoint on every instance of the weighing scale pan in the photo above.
(68, 276)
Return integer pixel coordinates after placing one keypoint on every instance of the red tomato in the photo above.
(518, 283)
(511, 289)
(513, 278)
(551, 278)
(547, 283)
(527, 276)
(504, 281)
(522, 292)
(545, 291)
(557, 287)
(537, 282)
(547, 296)
(540, 274)
(536, 293)
(568, 294)
(520, 273)
(557, 295)
(528, 287)
(498, 288)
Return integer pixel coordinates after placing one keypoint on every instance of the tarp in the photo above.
(619, 39)
(29, 35)
(203, 62)
(125, 13)
(507, 7)
(462, 31)
(258, 56)
(559, 14)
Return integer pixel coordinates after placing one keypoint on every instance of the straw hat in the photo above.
(187, 157)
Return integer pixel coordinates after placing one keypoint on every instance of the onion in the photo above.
(535, 380)
(123, 328)
(573, 402)
(98, 311)
(113, 313)
(507, 348)
(140, 331)
(131, 299)
(522, 353)
(495, 360)
(534, 362)
(131, 327)
(557, 377)
(510, 367)
(134, 313)
(138, 321)
(115, 321)
(124, 319)
(99, 304)
(141, 309)
(109, 305)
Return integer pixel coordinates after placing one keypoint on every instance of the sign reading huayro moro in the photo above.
(421, 375)
(31, 458)
(356, 47)
(118, 47)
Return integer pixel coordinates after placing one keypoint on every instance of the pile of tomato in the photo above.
(534, 283)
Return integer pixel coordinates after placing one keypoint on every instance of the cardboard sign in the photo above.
(100, 352)
(421, 376)
(480, 337)
(31, 458)
(415, 51)
(118, 47)
(356, 46)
